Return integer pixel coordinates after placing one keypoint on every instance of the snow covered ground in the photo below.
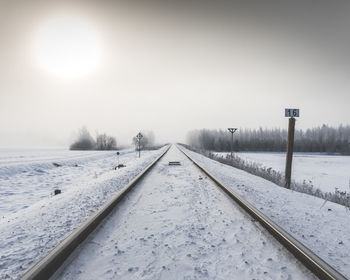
(28, 176)
(178, 228)
(322, 226)
(32, 221)
(325, 172)
(176, 224)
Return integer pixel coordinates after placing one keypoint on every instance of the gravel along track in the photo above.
(176, 224)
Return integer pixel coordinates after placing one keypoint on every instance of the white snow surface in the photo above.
(325, 172)
(28, 176)
(324, 227)
(176, 224)
(32, 221)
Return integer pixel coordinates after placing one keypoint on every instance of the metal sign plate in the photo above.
(232, 130)
(139, 136)
(291, 113)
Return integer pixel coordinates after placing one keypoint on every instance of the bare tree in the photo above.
(105, 142)
(84, 141)
(147, 141)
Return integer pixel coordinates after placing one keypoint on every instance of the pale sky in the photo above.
(169, 66)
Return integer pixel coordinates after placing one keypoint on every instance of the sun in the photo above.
(67, 47)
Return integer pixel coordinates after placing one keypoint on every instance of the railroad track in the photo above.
(45, 268)
(318, 266)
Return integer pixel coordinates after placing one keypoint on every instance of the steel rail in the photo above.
(308, 258)
(48, 265)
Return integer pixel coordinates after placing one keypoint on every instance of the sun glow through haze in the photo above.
(67, 47)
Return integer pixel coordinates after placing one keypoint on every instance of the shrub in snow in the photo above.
(105, 142)
(84, 141)
(340, 197)
(57, 192)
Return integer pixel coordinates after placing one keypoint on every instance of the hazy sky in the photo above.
(169, 66)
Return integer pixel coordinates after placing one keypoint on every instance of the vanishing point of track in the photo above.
(46, 267)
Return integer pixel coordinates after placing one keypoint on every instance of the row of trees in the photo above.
(103, 141)
(86, 142)
(324, 139)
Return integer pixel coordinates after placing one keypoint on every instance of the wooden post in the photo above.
(232, 146)
(290, 146)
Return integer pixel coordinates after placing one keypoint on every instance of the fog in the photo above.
(169, 67)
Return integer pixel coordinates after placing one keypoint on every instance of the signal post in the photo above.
(292, 114)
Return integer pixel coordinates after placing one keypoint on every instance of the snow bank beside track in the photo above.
(27, 177)
(323, 227)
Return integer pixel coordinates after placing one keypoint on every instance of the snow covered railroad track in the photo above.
(46, 267)
(176, 225)
(318, 266)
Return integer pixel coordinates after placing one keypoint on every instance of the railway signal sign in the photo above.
(232, 130)
(292, 114)
(139, 137)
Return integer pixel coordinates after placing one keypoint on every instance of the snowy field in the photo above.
(176, 224)
(322, 226)
(33, 221)
(28, 176)
(325, 172)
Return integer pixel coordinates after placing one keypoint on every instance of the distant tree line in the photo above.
(103, 141)
(85, 141)
(323, 139)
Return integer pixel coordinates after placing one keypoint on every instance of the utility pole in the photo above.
(232, 130)
(139, 137)
(291, 113)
